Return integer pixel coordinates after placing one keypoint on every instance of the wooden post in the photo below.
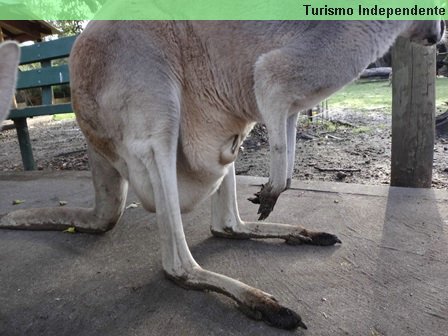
(413, 114)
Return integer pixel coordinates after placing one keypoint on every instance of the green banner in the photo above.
(222, 9)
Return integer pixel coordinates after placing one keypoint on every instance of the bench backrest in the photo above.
(45, 52)
(45, 77)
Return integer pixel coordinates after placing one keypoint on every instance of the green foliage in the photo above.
(68, 27)
(64, 9)
(75, 8)
(329, 126)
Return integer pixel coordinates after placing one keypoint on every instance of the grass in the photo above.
(362, 129)
(365, 95)
(360, 95)
(63, 116)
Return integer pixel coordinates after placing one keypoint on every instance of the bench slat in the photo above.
(47, 50)
(34, 111)
(43, 77)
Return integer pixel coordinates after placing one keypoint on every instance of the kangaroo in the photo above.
(165, 107)
(9, 60)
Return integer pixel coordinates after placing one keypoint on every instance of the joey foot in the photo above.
(266, 199)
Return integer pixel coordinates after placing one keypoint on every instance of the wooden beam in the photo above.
(413, 114)
(28, 28)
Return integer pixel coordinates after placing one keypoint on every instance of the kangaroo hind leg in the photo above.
(226, 221)
(110, 197)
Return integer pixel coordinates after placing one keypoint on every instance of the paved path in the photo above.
(390, 276)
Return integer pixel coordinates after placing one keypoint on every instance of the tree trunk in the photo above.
(413, 114)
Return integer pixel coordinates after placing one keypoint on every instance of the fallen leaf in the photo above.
(17, 202)
(71, 229)
(132, 205)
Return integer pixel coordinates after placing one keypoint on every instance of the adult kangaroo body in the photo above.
(165, 106)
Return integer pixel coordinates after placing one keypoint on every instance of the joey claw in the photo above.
(264, 211)
(267, 198)
(255, 199)
(267, 203)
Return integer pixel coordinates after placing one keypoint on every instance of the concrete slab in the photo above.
(389, 277)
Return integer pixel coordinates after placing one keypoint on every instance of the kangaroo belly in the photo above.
(202, 162)
(192, 190)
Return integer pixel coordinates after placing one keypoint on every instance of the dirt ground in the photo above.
(354, 147)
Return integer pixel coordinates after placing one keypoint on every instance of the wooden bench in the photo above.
(45, 77)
